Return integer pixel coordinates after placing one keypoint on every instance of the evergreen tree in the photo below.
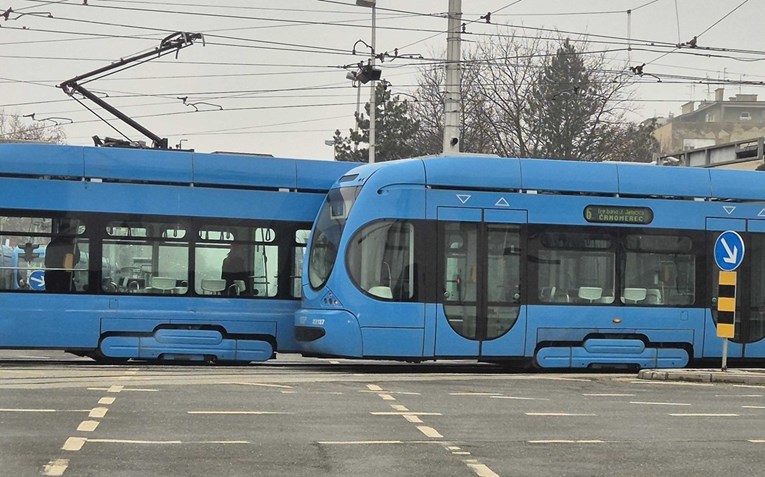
(567, 107)
(395, 131)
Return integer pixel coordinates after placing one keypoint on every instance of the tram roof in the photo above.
(605, 178)
(170, 167)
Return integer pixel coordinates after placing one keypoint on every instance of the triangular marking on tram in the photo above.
(502, 202)
(463, 198)
(729, 208)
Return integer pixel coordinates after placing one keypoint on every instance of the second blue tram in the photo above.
(563, 264)
(148, 254)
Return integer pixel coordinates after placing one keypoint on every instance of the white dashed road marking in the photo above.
(98, 412)
(74, 444)
(567, 441)
(430, 432)
(414, 417)
(649, 403)
(557, 414)
(481, 470)
(703, 415)
(87, 426)
(255, 413)
(55, 468)
(609, 395)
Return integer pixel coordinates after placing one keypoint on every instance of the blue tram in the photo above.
(562, 264)
(118, 253)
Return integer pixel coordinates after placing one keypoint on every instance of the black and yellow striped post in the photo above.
(726, 311)
(726, 305)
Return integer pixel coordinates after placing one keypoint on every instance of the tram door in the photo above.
(749, 338)
(479, 275)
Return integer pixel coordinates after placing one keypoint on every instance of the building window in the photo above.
(745, 116)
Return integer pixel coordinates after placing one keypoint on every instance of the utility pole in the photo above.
(452, 98)
(373, 96)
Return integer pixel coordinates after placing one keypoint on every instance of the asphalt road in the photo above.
(307, 417)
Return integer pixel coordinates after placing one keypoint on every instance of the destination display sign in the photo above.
(609, 214)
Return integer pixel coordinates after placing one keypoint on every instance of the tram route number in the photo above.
(606, 214)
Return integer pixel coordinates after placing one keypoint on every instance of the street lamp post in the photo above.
(372, 98)
(452, 97)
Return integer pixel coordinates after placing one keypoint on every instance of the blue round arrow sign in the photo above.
(729, 251)
(37, 280)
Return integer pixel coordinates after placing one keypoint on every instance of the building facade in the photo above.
(715, 122)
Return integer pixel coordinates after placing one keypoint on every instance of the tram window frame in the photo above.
(301, 236)
(255, 240)
(567, 248)
(750, 318)
(158, 273)
(31, 233)
(403, 281)
(660, 257)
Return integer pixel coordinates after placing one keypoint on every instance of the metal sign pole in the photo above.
(728, 254)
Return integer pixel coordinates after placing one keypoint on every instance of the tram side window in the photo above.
(43, 254)
(755, 330)
(659, 270)
(503, 278)
(381, 260)
(6, 272)
(147, 257)
(265, 262)
(236, 261)
(298, 257)
(266, 270)
(574, 267)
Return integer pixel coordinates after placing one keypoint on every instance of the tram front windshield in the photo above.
(329, 229)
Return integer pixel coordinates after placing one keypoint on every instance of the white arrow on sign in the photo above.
(732, 254)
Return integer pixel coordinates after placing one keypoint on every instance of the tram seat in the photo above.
(213, 286)
(590, 293)
(382, 292)
(240, 286)
(547, 294)
(606, 299)
(163, 284)
(633, 295)
(132, 285)
(653, 296)
(553, 295)
(236, 288)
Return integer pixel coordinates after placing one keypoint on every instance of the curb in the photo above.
(731, 376)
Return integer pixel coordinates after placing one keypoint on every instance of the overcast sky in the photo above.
(270, 79)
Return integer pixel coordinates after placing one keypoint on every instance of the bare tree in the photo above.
(479, 124)
(532, 97)
(15, 128)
